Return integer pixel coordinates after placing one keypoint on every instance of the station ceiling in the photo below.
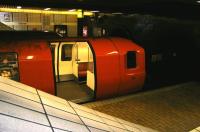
(182, 9)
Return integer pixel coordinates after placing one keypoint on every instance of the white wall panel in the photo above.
(39, 22)
(72, 31)
(71, 18)
(60, 19)
(35, 28)
(20, 27)
(33, 17)
(20, 17)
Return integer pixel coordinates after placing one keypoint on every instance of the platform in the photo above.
(24, 108)
(167, 109)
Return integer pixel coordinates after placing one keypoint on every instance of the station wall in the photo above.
(39, 22)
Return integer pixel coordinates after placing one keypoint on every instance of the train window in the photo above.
(131, 59)
(9, 66)
(66, 54)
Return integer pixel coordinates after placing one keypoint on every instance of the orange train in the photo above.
(75, 69)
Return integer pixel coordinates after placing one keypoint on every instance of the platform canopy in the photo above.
(23, 108)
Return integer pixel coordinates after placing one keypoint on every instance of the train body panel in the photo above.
(114, 66)
(35, 63)
(132, 77)
(107, 68)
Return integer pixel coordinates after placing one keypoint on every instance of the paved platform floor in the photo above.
(169, 109)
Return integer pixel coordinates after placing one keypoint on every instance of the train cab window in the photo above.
(131, 59)
(66, 54)
(9, 66)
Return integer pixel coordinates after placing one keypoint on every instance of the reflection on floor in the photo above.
(74, 91)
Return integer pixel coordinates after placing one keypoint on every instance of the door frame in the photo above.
(94, 59)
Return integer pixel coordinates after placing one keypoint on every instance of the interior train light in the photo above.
(198, 1)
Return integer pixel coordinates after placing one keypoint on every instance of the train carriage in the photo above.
(75, 69)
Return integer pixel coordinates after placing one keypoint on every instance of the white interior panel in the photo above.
(90, 80)
(83, 51)
(74, 60)
(55, 57)
(90, 71)
(65, 66)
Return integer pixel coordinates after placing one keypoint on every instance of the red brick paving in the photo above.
(168, 109)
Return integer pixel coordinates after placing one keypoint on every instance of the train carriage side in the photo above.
(120, 66)
(77, 69)
(29, 62)
(132, 65)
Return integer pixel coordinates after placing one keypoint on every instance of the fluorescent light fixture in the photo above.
(19, 7)
(198, 1)
(46, 9)
(95, 11)
(77, 12)
(87, 13)
(72, 10)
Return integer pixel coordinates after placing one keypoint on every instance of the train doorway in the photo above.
(74, 71)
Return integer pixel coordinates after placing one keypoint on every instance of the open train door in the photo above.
(73, 64)
(62, 54)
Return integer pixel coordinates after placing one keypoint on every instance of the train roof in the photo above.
(100, 45)
(26, 108)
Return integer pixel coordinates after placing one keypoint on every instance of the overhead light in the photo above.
(19, 7)
(95, 11)
(87, 13)
(198, 1)
(79, 13)
(46, 9)
(72, 10)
